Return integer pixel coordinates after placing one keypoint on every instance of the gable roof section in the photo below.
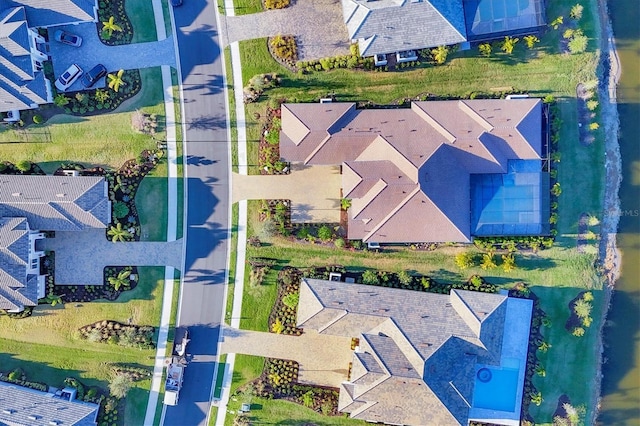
(24, 406)
(47, 13)
(56, 203)
(416, 364)
(387, 26)
(15, 291)
(431, 148)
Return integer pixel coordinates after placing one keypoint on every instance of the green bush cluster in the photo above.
(258, 84)
(346, 61)
(276, 4)
(284, 47)
(116, 333)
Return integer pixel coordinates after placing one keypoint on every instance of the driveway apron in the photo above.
(80, 257)
(317, 25)
(323, 359)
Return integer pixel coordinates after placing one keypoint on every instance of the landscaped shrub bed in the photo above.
(116, 333)
(269, 148)
(283, 317)
(115, 9)
(82, 171)
(354, 60)
(284, 49)
(20, 168)
(258, 84)
(277, 215)
(329, 234)
(132, 372)
(275, 4)
(17, 377)
(533, 243)
(93, 102)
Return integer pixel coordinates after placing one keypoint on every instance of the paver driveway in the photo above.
(314, 191)
(82, 255)
(323, 359)
(317, 25)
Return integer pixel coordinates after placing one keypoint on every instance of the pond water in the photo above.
(621, 382)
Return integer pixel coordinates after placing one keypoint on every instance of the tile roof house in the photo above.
(410, 172)
(388, 26)
(30, 204)
(419, 353)
(23, 51)
(25, 406)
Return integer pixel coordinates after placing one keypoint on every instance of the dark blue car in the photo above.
(93, 75)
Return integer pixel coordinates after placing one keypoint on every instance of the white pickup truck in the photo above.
(176, 366)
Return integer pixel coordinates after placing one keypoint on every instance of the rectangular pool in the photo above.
(496, 389)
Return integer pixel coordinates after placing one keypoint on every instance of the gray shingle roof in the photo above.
(56, 203)
(16, 291)
(46, 13)
(412, 165)
(24, 406)
(417, 352)
(387, 26)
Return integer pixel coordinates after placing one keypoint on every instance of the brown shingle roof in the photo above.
(412, 165)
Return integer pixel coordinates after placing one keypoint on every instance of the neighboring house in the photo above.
(23, 51)
(424, 358)
(30, 204)
(440, 171)
(388, 26)
(25, 406)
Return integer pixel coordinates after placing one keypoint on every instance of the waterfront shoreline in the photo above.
(609, 254)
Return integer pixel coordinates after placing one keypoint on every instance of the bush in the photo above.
(120, 209)
(578, 42)
(405, 278)
(119, 385)
(339, 242)
(325, 233)
(37, 119)
(23, 166)
(370, 277)
(16, 374)
(291, 300)
(464, 260)
(276, 4)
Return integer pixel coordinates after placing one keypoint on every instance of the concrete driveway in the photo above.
(323, 359)
(82, 255)
(318, 26)
(93, 52)
(314, 191)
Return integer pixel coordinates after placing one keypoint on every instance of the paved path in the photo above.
(324, 359)
(82, 256)
(93, 52)
(317, 25)
(314, 192)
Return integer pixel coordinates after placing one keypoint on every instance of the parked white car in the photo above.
(68, 77)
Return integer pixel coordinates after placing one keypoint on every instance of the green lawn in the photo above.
(144, 25)
(152, 205)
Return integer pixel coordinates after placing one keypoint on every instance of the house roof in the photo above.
(412, 165)
(24, 406)
(56, 203)
(20, 85)
(46, 13)
(387, 26)
(413, 346)
(16, 290)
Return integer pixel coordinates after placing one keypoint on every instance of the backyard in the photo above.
(555, 275)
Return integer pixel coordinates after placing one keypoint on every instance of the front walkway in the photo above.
(317, 25)
(93, 52)
(82, 255)
(323, 359)
(314, 191)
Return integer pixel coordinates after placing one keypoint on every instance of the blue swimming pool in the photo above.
(495, 389)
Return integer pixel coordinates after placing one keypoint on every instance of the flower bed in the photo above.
(115, 9)
(283, 317)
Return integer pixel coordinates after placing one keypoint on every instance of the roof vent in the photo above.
(55, 422)
(17, 194)
(60, 195)
(8, 411)
(33, 417)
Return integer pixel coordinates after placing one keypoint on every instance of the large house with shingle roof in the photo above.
(389, 26)
(24, 406)
(23, 51)
(423, 358)
(439, 171)
(31, 204)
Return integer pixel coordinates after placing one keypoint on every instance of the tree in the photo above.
(587, 296)
(61, 100)
(543, 346)
(485, 49)
(576, 12)
(509, 44)
(108, 27)
(487, 261)
(536, 398)
(24, 166)
(555, 24)
(440, 54)
(582, 308)
(370, 277)
(115, 80)
(277, 327)
(345, 203)
(531, 41)
(119, 385)
(120, 280)
(117, 233)
(464, 260)
(508, 262)
(578, 42)
(540, 371)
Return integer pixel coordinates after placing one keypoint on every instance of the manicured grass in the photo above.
(232, 262)
(232, 110)
(144, 25)
(570, 362)
(179, 154)
(278, 412)
(247, 368)
(245, 7)
(152, 205)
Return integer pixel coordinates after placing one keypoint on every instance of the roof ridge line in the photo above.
(473, 114)
(392, 212)
(445, 216)
(450, 137)
(515, 127)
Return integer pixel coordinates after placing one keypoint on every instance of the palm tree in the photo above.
(508, 262)
(531, 41)
(115, 80)
(110, 26)
(540, 371)
(509, 44)
(543, 346)
(120, 280)
(536, 398)
(117, 233)
(60, 100)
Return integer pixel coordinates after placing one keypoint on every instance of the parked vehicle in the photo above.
(176, 367)
(68, 77)
(176, 3)
(67, 38)
(92, 76)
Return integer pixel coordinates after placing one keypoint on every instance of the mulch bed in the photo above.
(115, 8)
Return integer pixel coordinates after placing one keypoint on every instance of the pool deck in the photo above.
(515, 344)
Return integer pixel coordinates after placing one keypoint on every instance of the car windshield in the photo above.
(66, 75)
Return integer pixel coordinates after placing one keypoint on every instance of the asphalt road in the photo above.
(207, 184)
